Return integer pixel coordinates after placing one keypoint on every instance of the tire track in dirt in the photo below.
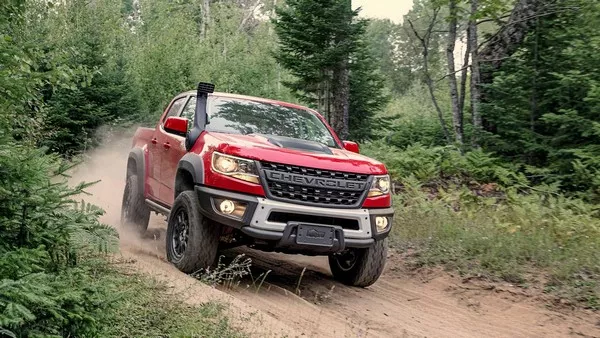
(396, 306)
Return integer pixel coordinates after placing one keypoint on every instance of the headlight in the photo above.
(380, 186)
(237, 167)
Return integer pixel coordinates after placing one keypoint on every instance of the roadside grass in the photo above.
(520, 238)
(226, 273)
(144, 307)
(229, 274)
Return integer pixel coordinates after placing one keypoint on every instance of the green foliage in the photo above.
(510, 237)
(383, 37)
(43, 236)
(542, 108)
(366, 96)
(54, 280)
(167, 55)
(143, 307)
(104, 63)
(314, 38)
(521, 206)
(441, 164)
(414, 118)
(69, 54)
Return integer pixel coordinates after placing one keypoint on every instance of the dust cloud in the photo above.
(107, 164)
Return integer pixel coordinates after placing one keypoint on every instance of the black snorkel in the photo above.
(200, 115)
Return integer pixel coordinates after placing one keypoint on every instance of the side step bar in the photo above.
(157, 208)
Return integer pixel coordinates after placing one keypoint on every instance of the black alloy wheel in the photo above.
(346, 259)
(179, 237)
(192, 240)
(359, 267)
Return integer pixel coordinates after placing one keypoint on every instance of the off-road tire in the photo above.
(202, 241)
(135, 214)
(366, 269)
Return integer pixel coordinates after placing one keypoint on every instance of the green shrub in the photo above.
(143, 307)
(436, 165)
(43, 236)
(54, 277)
(505, 237)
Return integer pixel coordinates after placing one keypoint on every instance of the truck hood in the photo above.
(259, 147)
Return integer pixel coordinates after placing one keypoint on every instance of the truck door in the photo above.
(174, 153)
(157, 150)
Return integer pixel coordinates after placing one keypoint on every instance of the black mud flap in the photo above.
(313, 238)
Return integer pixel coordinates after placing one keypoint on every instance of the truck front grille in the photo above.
(314, 186)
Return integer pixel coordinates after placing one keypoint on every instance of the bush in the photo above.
(102, 93)
(43, 236)
(474, 213)
(142, 307)
(54, 279)
(505, 237)
(415, 118)
(436, 165)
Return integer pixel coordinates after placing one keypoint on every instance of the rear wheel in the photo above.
(192, 241)
(135, 214)
(359, 267)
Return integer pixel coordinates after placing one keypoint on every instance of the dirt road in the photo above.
(299, 298)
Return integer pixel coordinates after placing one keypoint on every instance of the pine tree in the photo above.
(320, 45)
(366, 95)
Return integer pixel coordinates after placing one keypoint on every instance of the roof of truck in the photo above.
(253, 98)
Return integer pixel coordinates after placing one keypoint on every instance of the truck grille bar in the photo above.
(314, 186)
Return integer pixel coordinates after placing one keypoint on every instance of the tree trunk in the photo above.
(323, 94)
(248, 15)
(340, 84)
(425, 44)
(272, 15)
(533, 113)
(341, 99)
(320, 101)
(205, 18)
(457, 118)
(475, 76)
(508, 39)
(328, 97)
(464, 74)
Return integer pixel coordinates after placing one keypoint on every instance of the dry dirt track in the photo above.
(431, 305)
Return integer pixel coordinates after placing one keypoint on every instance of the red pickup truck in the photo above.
(231, 170)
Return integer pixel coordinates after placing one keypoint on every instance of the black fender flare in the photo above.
(193, 165)
(136, 156)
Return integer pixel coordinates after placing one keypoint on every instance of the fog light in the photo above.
(227, 207)
(381, 223)
(230, 208)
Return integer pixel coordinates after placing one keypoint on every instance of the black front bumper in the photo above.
(285, 240)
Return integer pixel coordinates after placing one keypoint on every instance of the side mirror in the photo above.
(351, 146)
(176, 125)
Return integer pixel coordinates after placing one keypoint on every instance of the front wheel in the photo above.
(359, 267)
(192, 241)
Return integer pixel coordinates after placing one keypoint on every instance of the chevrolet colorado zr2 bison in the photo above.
(229, 170)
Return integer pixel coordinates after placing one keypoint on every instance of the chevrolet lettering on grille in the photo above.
(315, 182)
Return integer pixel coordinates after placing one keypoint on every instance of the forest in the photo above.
(486, 113)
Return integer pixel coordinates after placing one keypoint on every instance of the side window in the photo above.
(190, 109)
(175, 107)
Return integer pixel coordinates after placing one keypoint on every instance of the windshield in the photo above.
(239, 116)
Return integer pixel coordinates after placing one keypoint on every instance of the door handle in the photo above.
(154, 141)
(167, 145)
